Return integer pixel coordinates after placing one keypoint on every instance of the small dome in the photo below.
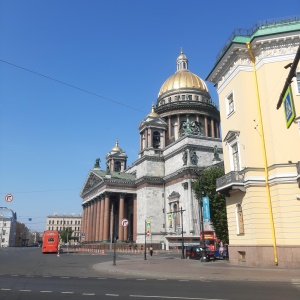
(117, 148)
(153, 114)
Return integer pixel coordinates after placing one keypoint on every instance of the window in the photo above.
(229, 104)
(232, 142)
(235, 157)
(156, 139)
(169, 100)
(117, 166)
(298, 81)
(239, 219)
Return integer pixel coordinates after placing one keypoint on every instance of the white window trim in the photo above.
(230, 148)
(228, 111)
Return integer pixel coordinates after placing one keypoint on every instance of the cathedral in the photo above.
(153, 200)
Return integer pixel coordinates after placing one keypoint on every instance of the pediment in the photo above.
(231, 135)
(91, 181)
(174, 195)
(154, 122)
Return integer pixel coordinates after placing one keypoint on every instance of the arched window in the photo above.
(239, 219)
(117, 166)
(156, 140)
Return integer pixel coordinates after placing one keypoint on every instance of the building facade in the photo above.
(61, 222)
(178, 138)
(8, 227)
(261, 155)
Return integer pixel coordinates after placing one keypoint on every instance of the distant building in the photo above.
(61, 222)
(261, 143)
(8, 227)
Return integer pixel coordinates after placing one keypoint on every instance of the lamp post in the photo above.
(145, 253)
(202, 228)
(182, 240)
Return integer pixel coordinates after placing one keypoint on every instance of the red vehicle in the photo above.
(50, 241)
(209, 240)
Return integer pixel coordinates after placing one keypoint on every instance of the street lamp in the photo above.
(202, 245)
(182, 239)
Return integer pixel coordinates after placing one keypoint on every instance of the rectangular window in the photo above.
(235, 156)
(229, 104)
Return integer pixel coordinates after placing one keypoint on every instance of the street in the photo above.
(28, 274)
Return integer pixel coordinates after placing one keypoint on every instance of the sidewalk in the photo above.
(176, 268)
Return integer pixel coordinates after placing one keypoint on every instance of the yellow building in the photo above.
(261, 150)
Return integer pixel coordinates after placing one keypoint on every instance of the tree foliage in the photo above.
(206, 186)
(66, 234)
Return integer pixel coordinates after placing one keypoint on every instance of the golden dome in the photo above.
(153, 114)
(117, 148)
(182, 79)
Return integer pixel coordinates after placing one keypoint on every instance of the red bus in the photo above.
(209, 239)
(50, 241)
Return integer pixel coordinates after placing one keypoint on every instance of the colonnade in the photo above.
(102, 217)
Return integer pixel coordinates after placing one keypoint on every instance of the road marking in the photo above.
(46, 291)
(14, 275)
(25, 290)
(88, 294)
(101, 278)
(67, 292)
(141, 279)
(5, 289)
(82, 277)
(169, 297)
(183, 280)
(29, 276)
(64, 277)
(46, 276)
(162, 279)
(120, 278)
(113, 295)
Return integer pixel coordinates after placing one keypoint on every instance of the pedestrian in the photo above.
(151, 250)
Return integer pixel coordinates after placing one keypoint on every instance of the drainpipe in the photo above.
(264, 154)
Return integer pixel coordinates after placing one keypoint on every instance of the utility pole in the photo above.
(182, 239)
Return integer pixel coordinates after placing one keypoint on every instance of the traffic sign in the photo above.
(148, 233)
(9, 197)
(124, 222)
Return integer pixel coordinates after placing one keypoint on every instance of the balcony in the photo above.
(231, 181)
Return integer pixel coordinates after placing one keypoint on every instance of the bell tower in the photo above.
(116, 159)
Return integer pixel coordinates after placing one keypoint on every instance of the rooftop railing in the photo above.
(249, 32)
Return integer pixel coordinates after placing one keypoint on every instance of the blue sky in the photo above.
(120, 52)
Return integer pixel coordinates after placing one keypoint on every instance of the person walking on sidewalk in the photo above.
(151, 250)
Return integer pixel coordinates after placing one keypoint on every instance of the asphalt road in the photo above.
(26, 273)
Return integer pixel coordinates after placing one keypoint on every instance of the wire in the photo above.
(44, 191)
(72, 86)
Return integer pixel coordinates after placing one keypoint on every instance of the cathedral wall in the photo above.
(186, 200)
(204, 148)
(150, 168)
(150, 206)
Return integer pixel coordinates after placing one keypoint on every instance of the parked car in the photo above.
(196, 252)
(193, 252)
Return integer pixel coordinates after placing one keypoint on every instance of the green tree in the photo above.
(66, 234)
(206, 185)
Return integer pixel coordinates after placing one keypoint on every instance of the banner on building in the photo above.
(206, 209)
(148, 228)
